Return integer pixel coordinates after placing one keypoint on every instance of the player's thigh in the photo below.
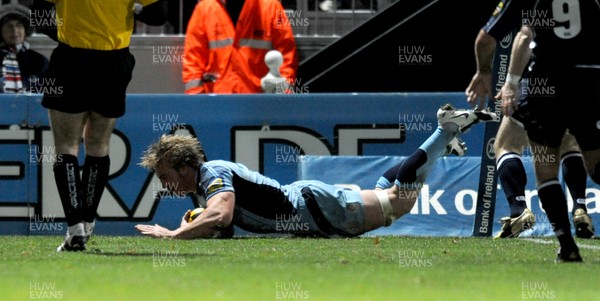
(341, 210)
(511, 137)
(373, 211)
(569, 144)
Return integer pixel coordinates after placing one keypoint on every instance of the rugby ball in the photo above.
(195, 213)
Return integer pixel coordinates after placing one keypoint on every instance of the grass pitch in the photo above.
(368, 268)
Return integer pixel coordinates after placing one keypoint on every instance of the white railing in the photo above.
(328, 20)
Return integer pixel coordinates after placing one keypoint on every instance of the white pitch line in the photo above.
(550, 242)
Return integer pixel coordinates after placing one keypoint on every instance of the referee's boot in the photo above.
(453, 120)
(74, 240)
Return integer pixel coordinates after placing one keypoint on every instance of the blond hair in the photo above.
(176, 150)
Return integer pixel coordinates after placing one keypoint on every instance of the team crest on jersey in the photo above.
(215, 185)
(498, 8)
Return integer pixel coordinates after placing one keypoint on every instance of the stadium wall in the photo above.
(269, 133)
(158, 59)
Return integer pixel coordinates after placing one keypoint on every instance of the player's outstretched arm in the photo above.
(217, 216)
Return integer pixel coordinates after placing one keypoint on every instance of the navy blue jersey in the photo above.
(505, 18)
(567, 32)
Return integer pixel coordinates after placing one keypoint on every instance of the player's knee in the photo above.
(385, 198)
(401, 201)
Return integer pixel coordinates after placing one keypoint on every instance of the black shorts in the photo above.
(81, 80)
(565, 100)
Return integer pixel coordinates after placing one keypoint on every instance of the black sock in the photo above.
(391, 173)
(94, 179)
(575, 177)
(407, 171)
(554, 203)
(513, 179)
(68, 183)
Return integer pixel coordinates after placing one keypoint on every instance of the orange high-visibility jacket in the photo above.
(219, 58)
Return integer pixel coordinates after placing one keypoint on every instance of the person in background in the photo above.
(226, 44)
(22, 67)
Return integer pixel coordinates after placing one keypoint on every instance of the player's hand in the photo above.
(479, 90)
(155, 231)
(508, 96)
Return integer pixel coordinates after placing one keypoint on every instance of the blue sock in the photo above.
(413, 172)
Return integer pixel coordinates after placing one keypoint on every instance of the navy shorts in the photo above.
(81, 80)
(564, 100)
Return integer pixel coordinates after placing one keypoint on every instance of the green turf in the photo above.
(386, 268)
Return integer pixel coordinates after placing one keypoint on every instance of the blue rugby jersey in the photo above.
(262, 205)
(259, 201)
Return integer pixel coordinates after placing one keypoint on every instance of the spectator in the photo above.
(21, 66)
(226, 44)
